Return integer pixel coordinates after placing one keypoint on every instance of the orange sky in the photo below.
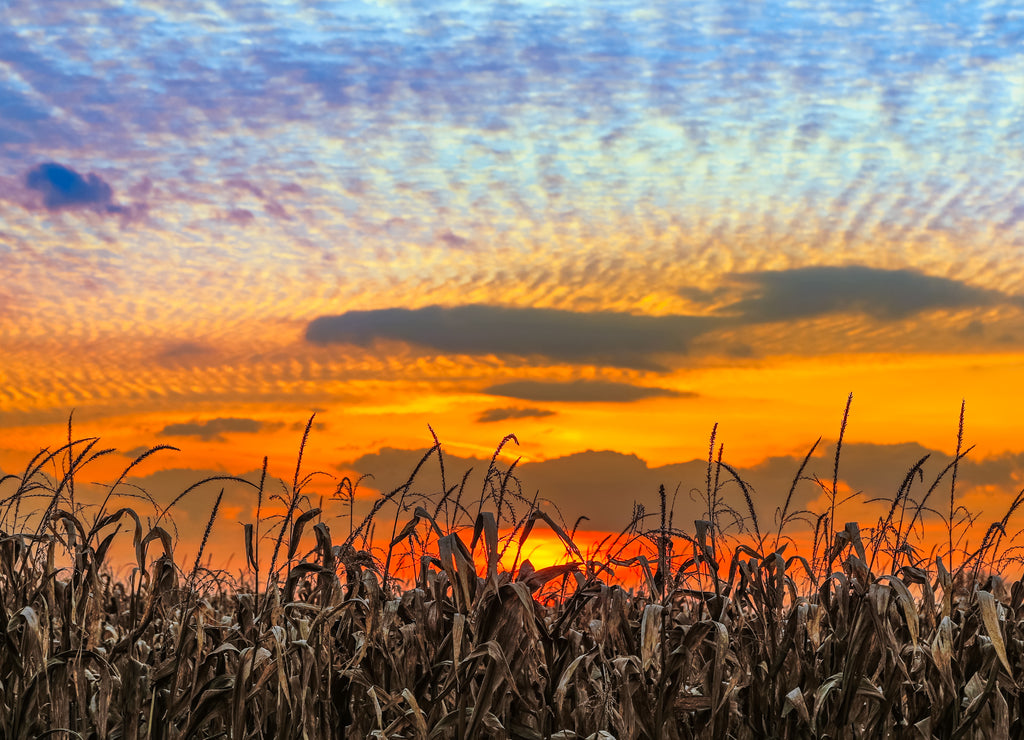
(604, 231)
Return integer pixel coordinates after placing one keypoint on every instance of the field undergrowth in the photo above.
(445, 631)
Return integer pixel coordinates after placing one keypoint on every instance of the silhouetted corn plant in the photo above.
(427, 635)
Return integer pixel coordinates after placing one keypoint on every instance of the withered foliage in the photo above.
(334, 644)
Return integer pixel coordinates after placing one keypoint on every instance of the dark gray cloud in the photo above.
(62, 188)
(807, 292)
(191, 514)
(603, 484)
(647, 342)
(148, 494)
(580, 391)
(702, 296)
(212, 429)
(599, 484)
(615, 339)
(504, 414)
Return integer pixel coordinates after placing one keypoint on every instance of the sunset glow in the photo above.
(603, 228)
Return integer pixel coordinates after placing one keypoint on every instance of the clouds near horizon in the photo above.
(213, 430)
(581, 391)
(603, 484)
(490, 416)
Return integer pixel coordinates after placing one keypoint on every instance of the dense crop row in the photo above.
(333, 644)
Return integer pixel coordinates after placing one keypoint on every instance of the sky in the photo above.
(602, 227)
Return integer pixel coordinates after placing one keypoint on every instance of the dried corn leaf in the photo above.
(942, 649)
(300, 523)
(650, 634)
(458, 629)
(795, 700)
(419, 721)
(563, 681)
(907, 604)
(536, 579)
(990, 618)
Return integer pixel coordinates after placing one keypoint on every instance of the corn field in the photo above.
(720, 634)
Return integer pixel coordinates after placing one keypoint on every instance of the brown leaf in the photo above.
(990, 618)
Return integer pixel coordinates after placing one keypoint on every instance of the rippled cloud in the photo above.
(357, 201)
